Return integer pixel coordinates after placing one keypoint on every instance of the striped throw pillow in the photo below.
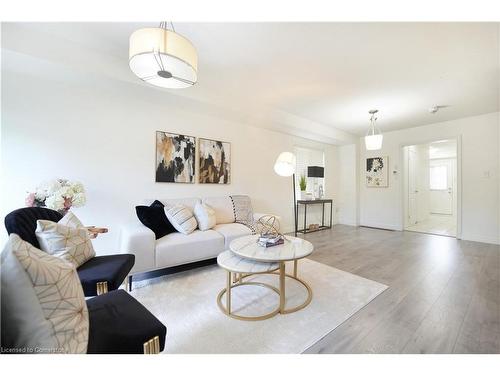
(181, 218)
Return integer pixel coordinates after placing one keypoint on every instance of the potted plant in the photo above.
(303, 186)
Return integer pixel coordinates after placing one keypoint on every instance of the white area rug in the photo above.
(186, 304)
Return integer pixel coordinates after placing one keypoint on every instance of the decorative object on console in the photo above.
(374, 137)
(285, 166)
(67, 239)
(175, 157)
(154, 218)
(316, 172)
(59, 195)
(243, 211)
(162, 57)
(215, 162)
(182, 218)
(377, 172)
(205, 216)
(303, 186)
(43, 306)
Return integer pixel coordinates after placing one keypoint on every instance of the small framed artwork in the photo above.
(377, 172)
(175, 157)
(214, 162)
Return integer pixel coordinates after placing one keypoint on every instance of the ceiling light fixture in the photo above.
(373, 138)
(163, 58)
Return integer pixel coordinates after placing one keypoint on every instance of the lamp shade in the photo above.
(163, 58)
(315, 171)
(374, 142)
(285, 164)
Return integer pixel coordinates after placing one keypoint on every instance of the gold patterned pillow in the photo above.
(66, 242)
(60, 294)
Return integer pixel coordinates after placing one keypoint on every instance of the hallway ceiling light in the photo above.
(163, 58)
(373, 138)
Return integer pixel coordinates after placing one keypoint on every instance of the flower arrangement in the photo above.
(59, 195)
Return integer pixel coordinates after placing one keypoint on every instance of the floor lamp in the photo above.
(285, 166)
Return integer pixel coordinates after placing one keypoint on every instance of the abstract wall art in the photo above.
(175, 157)
(377, 172)
(215, 162)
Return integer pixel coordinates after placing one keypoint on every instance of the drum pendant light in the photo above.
(162, 57)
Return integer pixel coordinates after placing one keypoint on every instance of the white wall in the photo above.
(347, 204)
(103, 134)
(382, 207)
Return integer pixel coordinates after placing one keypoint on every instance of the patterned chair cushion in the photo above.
(43, 306)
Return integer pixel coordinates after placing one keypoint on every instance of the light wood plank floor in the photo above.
(443, 295)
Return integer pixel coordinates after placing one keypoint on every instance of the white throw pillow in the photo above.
(70, 220)
(43, 305)
(70, 243)
(181, 218)
(205, 216)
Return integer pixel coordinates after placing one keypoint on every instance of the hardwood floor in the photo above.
(443, 295)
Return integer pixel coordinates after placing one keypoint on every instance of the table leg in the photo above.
(282, 287)
(295, 267)
(228, 293)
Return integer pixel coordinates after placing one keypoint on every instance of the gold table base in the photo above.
(234, 281)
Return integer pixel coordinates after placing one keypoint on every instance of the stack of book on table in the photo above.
(268, 241)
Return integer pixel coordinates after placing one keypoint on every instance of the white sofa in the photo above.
(176, 249)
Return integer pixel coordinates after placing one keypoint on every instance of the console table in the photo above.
(306, 203)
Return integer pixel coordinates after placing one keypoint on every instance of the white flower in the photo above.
(51, 186)
(55, 202)
(78, 199)
(40, 194)
(65, 192)
(77, 187)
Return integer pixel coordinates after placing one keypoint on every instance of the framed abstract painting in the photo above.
(377, 172)
(214, 162)
(175, 157)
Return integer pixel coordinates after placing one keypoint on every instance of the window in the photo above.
(308, 157)
(438, 179)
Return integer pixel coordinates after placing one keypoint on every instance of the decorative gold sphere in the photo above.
(268, 225)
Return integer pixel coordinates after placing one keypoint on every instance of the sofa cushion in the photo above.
(223, 207)
(188, 202)
(182, 218)
(231, 232)
(154, 218)
(177, 248)
(205, 216)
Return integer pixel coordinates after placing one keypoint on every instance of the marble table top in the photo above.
(293, 248)
(234, 263)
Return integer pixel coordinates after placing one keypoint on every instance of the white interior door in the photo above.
(412, 187)
(441, 189)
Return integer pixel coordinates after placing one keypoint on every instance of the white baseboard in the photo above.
(480, 238)
(380, 225)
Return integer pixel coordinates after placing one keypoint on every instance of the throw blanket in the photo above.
(243, 212)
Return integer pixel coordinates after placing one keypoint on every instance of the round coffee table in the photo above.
(241, 267)
(293, 249)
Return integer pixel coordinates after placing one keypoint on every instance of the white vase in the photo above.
(303, 195)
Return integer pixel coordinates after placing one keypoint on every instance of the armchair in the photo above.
(98, 275)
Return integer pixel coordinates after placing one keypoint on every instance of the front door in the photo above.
(441, 186)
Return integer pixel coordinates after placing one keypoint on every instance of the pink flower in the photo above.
(30, 200)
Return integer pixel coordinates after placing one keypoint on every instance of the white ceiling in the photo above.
(318, 78)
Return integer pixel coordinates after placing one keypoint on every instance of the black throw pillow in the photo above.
(155, 219)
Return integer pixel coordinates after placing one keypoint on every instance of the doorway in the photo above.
(430, 187)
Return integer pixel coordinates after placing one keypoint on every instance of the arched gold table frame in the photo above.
(239, 281)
